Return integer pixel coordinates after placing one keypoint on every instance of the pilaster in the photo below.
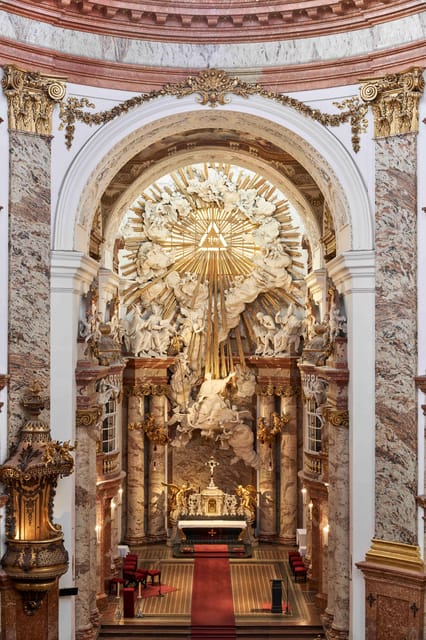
(395, 597)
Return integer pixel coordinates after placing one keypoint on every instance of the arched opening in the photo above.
(211, 282)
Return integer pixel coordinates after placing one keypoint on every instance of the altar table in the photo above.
(215, 531)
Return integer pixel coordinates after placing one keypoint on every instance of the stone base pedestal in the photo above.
(394, 591)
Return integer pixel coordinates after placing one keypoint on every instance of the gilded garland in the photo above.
(213, 87)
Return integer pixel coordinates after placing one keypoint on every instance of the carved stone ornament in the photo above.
(337, 417)
(395, 101)
(269, 389)
(31, 97)
(147, 389)
(214, 87)
(35, 555)
(88, 417)
(157, 434)
(315, 388)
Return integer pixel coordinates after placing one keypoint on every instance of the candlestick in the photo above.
(139, 612)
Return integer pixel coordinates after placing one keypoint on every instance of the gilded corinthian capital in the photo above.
(337, 417)
(31, 97)
(394, 99)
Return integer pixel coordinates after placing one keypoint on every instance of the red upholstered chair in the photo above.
(130, 565)
(296, 563)
(153, 573)
(141, 576)
(300, 573)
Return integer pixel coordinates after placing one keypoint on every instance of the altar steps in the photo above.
(155, 631)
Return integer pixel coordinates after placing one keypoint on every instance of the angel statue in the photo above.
(177, 499)
(248, 500)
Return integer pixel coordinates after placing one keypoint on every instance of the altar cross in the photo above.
(212, 463)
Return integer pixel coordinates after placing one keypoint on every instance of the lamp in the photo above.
(35, 555)
(304, 495)
(310, 509)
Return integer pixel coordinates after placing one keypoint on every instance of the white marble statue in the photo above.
(160, 330)
(182, 381)
(266, 232)
(246, 383)
(265, 330)
(272, 263)
(152, 261)
(241, 440)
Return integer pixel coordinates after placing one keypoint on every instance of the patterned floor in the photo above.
(251, 585)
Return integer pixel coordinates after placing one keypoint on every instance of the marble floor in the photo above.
(251, 585)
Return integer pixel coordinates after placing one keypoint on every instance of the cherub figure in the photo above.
(177, 499)
(248, 499)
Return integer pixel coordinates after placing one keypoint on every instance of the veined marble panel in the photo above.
(29, 287)
(396, 339)
(189, 464)
(233, 56)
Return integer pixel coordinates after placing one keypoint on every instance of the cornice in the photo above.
(224, 20)
(133, 77)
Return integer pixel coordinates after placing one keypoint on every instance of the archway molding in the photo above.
(336, 173)
(314, 146)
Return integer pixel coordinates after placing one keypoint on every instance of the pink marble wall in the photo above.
(188, 464)
(396, 342)
(29, 259)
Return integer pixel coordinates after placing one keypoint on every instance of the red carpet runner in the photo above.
(212, 615)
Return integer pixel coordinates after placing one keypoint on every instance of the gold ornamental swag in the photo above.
(212, 246)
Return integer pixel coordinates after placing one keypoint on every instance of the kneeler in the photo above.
(129, 596)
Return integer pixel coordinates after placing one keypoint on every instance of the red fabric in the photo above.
(129, 597)
(152, 591)
(212, 614)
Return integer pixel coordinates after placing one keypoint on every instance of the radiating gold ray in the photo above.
(217, 245)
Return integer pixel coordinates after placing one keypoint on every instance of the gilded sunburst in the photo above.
(216, 244)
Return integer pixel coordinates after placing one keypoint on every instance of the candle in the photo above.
(325, 531)
(139, 590)
(118, 590)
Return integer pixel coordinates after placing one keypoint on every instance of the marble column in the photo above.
(86, 547)
(136, 533)
(396, 306)
(157, 508)
(394, 100)
(288, 485)
(267, 528)
(31, 98)
(338, 543)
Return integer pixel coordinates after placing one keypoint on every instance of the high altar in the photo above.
(213, 516)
